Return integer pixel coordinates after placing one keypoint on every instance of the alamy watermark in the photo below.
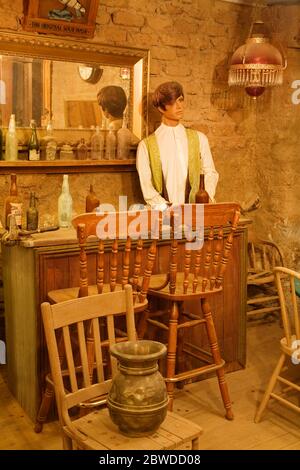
(138, 221)
(296, 352)
(296, 93)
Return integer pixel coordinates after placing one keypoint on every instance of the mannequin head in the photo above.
(168, 98)
(113, 102)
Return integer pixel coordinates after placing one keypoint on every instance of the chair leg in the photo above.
(212, 337)
(270, 388)
(180, 365)
(171, 355)
(44, 408)
(67, 442)
(142, 323)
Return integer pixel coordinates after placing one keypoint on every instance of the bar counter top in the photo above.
(67, 236)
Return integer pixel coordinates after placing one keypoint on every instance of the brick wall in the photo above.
(255, 145)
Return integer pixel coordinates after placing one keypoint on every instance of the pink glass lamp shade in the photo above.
(256, 65)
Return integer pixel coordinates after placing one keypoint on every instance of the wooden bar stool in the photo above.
(195, 273)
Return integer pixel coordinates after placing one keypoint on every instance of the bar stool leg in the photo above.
(180, 363)
(171, 355)
(212, 337)
(44, 408)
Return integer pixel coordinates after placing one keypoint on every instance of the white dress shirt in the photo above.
(173, 148)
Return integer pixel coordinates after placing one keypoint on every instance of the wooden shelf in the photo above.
(67, 166)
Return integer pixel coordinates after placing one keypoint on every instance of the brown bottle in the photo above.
(32, 214)
(91, 201)
(202, 196)
(13, 203)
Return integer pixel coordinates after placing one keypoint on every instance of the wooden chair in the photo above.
(120, 259)
(194, 274)
(96, 431)
(263, 299)
(289, 344)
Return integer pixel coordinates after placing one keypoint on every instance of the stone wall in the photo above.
(254, 144)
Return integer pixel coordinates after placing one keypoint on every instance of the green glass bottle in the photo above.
(32, 214)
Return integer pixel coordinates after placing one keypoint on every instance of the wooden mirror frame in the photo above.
(87, 52)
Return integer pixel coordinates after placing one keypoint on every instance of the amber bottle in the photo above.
(91, 201)
(202, 196)
(32, 214)
(13, 203)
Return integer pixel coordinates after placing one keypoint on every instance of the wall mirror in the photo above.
(46, 78)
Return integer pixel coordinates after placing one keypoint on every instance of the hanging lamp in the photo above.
(257, 64)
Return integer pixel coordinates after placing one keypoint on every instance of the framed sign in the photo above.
(64, 17)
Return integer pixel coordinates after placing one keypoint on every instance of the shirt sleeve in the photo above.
(211, 175)
(151, 196)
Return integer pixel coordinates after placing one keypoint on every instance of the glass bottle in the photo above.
(13, 203)
(91, 201)
(82, 150)
(202, 196)
(32, 214)
(97, 145)
(65, 205)
(48, 144)
(111, 141)
(33, 144)
(11, 141)
(123, 142)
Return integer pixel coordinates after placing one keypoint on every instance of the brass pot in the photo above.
(138, 399)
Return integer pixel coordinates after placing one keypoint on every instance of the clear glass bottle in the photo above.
(111, 143)
(82, 150)
(32, 214)
(11, 141)
(202, 196)
(123, 142)
(65, 205)
(33, 144)
(13, 203)
(97, 145)
(48, 144)
(91, 201)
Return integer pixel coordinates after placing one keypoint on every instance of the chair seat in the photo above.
(61, 295)
(158, 280)
(259, 278)
(102, 434)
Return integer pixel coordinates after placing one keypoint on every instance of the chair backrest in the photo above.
(67, 322)
(202, 263)
(263, 255)
(285, 281)
(125, 253)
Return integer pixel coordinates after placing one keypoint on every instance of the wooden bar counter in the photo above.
(50, 261)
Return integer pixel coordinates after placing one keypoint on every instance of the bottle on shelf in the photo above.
(66, 152)
(32, 214)
(97, 145)
(33, 144)
(91, 201)
(13, 203)
(123, 142)
(202, 196)
(111, 142)
(65, 205)
(82, 150)
(11, 141)
(48, 144)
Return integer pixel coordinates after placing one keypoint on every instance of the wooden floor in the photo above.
(200, 402)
